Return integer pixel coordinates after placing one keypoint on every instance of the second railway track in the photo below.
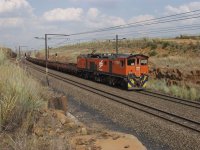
(171, 99)
(171, 117)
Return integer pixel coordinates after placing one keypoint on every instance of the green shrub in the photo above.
(153, 53)
(165, 44)
(152, 44)
(178, 91)
(165, 55)
(2, 57)
(19, 95)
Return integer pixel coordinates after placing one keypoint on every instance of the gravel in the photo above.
(171, 107)
(154, 132)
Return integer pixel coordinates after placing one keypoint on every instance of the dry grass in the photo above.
(21, 101)
(150, 47)
(184, 63)
(170, 45)
(19, 95)
(2, 57)
(169, 53)
(191, 93)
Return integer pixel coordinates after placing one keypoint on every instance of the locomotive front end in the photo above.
(136, 83)
(137, 72)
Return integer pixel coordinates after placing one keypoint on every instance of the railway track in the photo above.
(171, 98)
(171, 117)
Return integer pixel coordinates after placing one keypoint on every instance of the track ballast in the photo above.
(171, 117)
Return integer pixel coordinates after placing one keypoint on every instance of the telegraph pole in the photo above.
(46, 52)
(20, 49)
(46, 61)
(117, 40)
(116, 44)
(19, 52)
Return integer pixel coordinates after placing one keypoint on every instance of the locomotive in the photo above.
(127, 71)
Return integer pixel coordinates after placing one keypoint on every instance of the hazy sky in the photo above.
(22, 20)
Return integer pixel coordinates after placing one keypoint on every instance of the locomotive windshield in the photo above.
(131, 62)
(143, 62)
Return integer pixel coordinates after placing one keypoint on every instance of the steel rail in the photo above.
(170, 98)
(182, 121)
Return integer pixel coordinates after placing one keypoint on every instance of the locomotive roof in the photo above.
(111, 56)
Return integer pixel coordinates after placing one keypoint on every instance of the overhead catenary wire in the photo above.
(173, 20)
(162, 30)
(177, 28)
(136, 24)
(155, 34)
(146, 22)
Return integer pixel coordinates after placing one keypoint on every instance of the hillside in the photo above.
(30, 117)
(174, 63)
(7, 51)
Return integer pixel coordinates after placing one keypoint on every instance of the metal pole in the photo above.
(116, 44)
(46, 59)
(19, 52)
(48, 52)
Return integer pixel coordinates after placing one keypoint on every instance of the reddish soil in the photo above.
(67, 129)
(175, 76)
(54, 130)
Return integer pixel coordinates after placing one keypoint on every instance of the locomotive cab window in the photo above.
(105, 62)
(144, 62)
(131, 62)
(138, 61)
(122, 63)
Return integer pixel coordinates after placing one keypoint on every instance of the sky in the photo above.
(22, 20)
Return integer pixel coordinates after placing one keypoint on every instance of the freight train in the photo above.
(127, 71)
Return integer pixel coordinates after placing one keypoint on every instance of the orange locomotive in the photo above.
(125, 70)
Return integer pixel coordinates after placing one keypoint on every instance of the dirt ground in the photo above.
(176, 68)
(57, 130)
(172, 61)
(81, 137)
(107, 141)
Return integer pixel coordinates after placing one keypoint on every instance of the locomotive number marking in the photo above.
(100, 65)
(137, 68)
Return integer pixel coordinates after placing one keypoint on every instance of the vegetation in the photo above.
(179, 53)
(188, 37)
(8, 52)
(20, 95)
(155, 48)
(152, 53)
(136, 44)
(178, 91)
(180, 62)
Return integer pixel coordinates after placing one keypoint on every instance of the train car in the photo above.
(124, 70)
(55, 65)
(37, 61)
(63, 67)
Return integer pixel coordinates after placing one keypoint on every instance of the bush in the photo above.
(178, 91)
(152, 44)
(165, 55)
(2, 58)
(153, 53)
(165, 44)
(19, 95)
